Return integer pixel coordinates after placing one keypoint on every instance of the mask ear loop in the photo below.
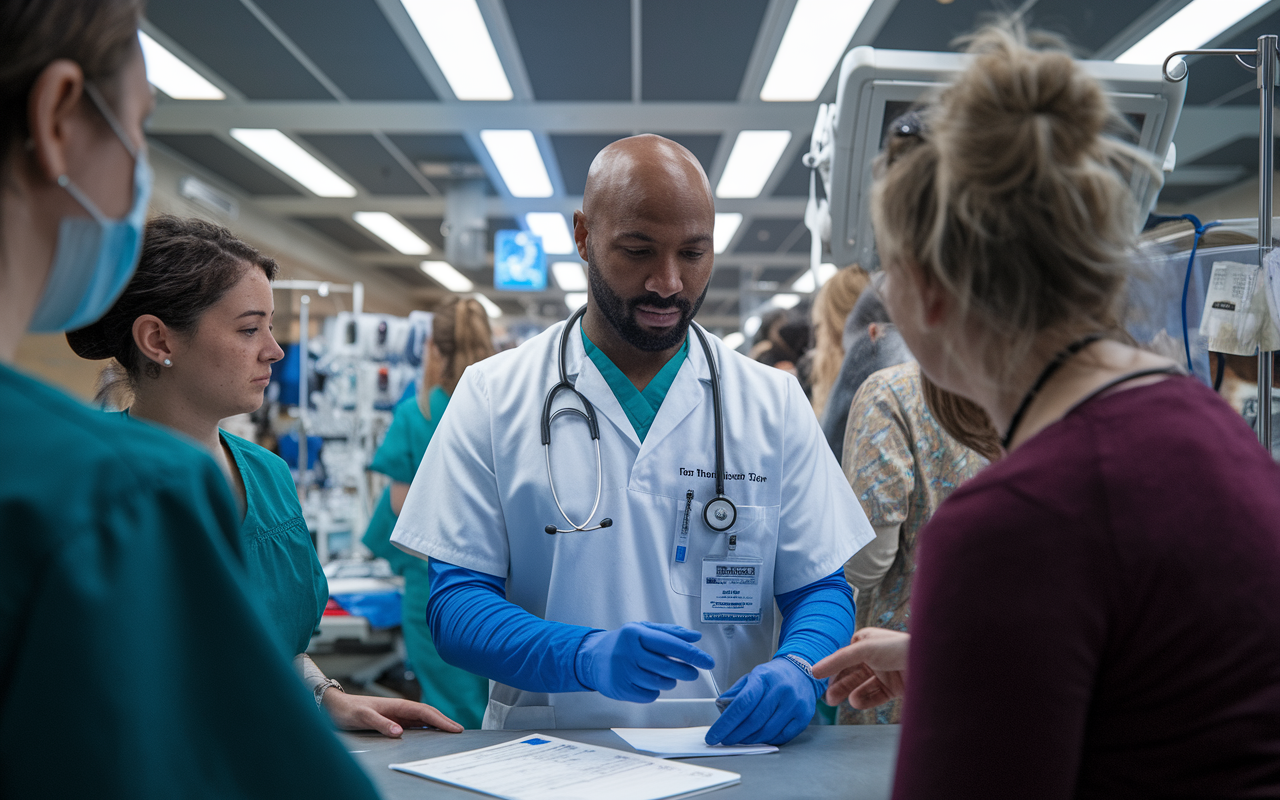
(105, 110)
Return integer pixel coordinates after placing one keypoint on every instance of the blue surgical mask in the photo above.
(95, 256)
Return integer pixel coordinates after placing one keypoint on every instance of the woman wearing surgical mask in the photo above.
(192, 335)
(127, 642)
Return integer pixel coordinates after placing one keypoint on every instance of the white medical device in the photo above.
(877, 86)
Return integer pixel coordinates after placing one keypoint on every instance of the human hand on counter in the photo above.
(771, 704)
(386, 715)
(639, 660)
(871, 671)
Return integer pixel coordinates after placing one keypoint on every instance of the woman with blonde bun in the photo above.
(831, 307)
(1096, 614)
(460, 337)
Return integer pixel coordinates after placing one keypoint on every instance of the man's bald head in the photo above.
(634, 172)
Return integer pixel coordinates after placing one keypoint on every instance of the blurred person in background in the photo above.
(191, 338)
(902, 462)
(135, 665)
(871, 343)
(460, 337)
(831, 308)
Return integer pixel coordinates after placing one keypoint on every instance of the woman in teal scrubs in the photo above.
(460, 336)
(133, 663)
(192, 337)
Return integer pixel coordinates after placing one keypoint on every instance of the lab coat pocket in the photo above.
(756, 528)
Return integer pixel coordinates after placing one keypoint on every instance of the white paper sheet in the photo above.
(685, 743)
(539, 767)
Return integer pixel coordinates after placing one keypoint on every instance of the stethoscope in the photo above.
(719, 514)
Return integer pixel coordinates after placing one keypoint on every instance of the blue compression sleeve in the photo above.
(817, 619)
(476, 628)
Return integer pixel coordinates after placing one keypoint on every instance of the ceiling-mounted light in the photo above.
(569, 276)
(815, 39)
(459, 41)
(575, 300)
(726, 226)
(173, 76)
(287, 156)
(443, 273)
(785, 300)
(551, 227)
(1196, 24)
(393, 232)
(490, 307)
(516, 155)
(751, 162)
(805, 282)
(734, 340)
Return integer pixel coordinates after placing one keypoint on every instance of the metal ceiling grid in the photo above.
(353, 83)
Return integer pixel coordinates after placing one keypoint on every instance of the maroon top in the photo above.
(1098, 615)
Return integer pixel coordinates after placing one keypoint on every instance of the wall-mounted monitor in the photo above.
(877, 86)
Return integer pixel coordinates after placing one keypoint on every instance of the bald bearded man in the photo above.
(633, 607)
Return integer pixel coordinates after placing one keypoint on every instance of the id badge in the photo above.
(731, 590)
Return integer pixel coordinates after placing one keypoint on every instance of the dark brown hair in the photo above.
(98, 35)
(187, 265)
(963, 419)
(460, 331)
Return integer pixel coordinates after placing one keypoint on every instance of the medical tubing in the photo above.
(817, 620)
(1186, 283)
(715, 402)
(476, 628)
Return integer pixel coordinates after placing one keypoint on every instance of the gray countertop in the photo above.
(851, 762)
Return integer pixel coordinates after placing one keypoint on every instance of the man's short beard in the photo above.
(621, 313)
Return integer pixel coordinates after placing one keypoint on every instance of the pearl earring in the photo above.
(168, 363)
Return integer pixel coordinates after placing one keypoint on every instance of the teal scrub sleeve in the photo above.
(142, 671)
(395, 458)
(476, 628)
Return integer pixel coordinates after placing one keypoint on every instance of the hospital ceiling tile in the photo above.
(407, 275)
(344, 233)
(574, 49)
(697, 50)
(225, 161)
(439, 148)
(575, 152)
(1219, 80)
(766, 235)
(795, 183)
(783, 276)
(364, 158)
(354, 45)
(725, 277)
(1086, 24)
(428, 228)
(233, 43)
(930, 25)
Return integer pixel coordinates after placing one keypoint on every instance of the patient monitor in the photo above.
(877, 86)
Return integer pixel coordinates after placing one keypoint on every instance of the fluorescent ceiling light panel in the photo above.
(575, 300)
(285, 155)
(734, 340)
(393, 232)
(171, 75)
(751, 325)
(569, 276)
(443, 273)
(516, 155)
(726, 226)
(1195, 25)
(815, 39)
(805, 282)
(785, 300)
(459, 41)
(490, 307)
(751, 162)
(553, 230)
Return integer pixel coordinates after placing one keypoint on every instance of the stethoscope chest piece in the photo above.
(720, 514)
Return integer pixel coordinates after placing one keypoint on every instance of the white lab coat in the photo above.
(480, 500)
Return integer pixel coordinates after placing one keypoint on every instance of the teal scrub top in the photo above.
(640, 407)
(289, 585)
(398, 458)
(128, 643)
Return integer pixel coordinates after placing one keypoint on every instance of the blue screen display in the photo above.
(519, 262)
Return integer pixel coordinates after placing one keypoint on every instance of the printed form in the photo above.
(541, 767)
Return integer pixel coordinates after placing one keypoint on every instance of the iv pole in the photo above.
(1264, 66)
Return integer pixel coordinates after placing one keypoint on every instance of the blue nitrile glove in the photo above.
(639, 660)
(771, 705)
